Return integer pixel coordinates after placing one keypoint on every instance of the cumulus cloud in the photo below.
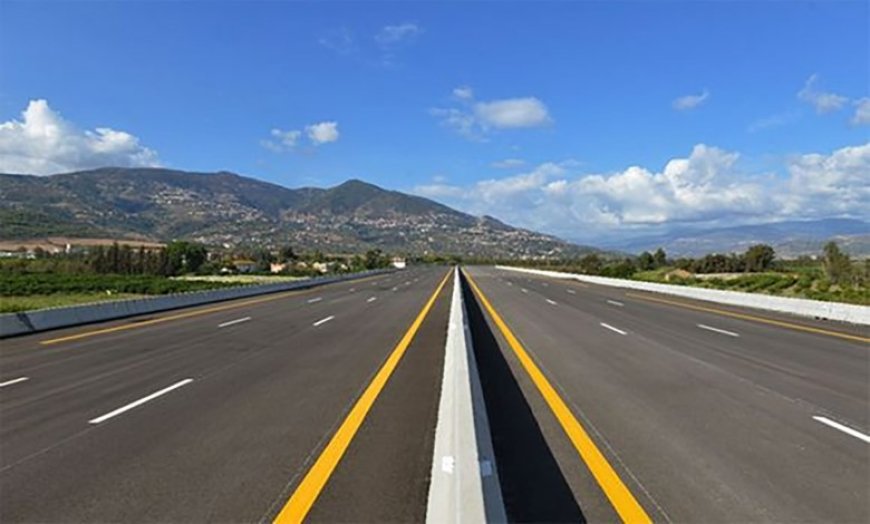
(822, 101)
(395, 34)
(687, 102)
(43, 142)
(474, 119)
(282, 141)
(509, 163)
(862, 111)
(707, 187)
(322, 132)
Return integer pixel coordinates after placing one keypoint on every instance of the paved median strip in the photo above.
(139, 402)
(717, 330)
(14, 381)
(316, 478)
(323, 321)
(842, 427)
(234, 322)
(622, 500)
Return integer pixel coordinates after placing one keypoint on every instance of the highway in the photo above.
(603, 405)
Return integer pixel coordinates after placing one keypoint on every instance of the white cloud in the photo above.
(475, 119)
(322, 132)
(508, 163)
(822, 101)
(687, 102)
(42, 143)
(463, 93)
(862, 111)
(395, 34)
(705, 188)
(512, 113)
(282, 140)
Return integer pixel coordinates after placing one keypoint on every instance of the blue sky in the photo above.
(577, 118)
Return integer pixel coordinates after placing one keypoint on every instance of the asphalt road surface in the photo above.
(604, 404)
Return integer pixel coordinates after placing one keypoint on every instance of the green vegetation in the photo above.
(831, 277)
(41, 279)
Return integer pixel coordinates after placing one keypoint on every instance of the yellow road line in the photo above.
(178, 316)
(620, 497)
(745, 316)
(315, 480)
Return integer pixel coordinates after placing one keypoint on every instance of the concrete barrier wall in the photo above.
(12, 324)
(852, 313)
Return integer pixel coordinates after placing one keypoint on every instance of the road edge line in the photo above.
(464, 484)
(307, 491)
(620, 497)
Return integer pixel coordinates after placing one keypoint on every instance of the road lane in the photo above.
(704, 427)
(264, 395)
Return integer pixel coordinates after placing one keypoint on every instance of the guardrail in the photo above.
(12, 324)
(853, 313)
(464, 485)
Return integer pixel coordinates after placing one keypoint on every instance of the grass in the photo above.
(15, 304)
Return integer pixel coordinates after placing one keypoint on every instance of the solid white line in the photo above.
(13, 381)
(323, 320)
(611, 328)
(717, 330)
(615, 303)
(571, 291)
(845, 429)
(372, 299)
(236, 321)
(313, 300)
(552, 302)
(139, 402)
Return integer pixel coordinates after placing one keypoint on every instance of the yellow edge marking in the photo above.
(188, 314)
(753, 318)
(310, 487)
(620, 497)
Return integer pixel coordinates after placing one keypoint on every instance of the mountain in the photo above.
(789, 239)
(226, 208)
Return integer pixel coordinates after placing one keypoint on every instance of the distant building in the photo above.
(276, 267)
(245, 265)
(399, 263)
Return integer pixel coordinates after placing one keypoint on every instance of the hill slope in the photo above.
(225, 208)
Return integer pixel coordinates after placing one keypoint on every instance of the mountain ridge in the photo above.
(225, 208)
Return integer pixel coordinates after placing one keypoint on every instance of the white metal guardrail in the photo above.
(12, 324)
(465, 485)
(852, 313)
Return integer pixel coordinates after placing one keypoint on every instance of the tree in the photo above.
(591, 264)
(646, 261)
(837, 264)
(184, 257)
(660, 258)
(758, 258)
(287, 254)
